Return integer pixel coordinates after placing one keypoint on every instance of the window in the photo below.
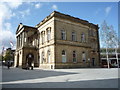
(63, 35)
(48, 34)
(48, 56)
(74, 56)
(94, 33)
(63, 56)
(82, 37)
(83, 56)
(43, 36)
(42, 57)
(73, 36)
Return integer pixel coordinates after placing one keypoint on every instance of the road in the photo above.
(60, 78)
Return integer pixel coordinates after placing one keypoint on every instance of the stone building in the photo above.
(58, 41)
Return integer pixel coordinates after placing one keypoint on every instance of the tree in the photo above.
(0, 57)
(104, 38)
(108, 39)
(8, 56)
(114, 42)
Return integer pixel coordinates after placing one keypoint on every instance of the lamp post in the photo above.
(2, 59)
(2, 55)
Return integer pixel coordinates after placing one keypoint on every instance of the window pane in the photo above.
(83, 56)
(74, 56)
(48, 35)
(63, 58)
(63, 35)
(82, 37)
(48, 56)
(73, 36)
(63, 52)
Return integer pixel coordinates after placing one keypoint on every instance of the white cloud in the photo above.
(25, 12)
(6, 37)
(97, 11)
(15, 4)
(54, 7)
(8, 26)
(38, 5)
(6, 13)
(107, 10)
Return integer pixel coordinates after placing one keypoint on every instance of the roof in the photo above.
(68, 17)
(20, 26)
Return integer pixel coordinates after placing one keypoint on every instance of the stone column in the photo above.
(18, 41)
(23, 39)
(26, 42)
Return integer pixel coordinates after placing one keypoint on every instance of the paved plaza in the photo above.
(60, 78)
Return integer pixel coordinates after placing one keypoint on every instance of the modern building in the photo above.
(58, 41)
(113, 56)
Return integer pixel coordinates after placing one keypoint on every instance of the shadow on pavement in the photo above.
(16, 74)
(108, 83)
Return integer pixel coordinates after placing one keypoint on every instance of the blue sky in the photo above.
(93, 12)
(31, 13)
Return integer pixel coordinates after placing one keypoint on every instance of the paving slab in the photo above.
(60, 78)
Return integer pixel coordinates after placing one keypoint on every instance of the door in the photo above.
(93, 61)
(30, 59)
(17, 60)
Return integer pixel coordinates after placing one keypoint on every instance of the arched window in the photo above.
(74, 56)
(48, 33)
(48, 56)
(63, 35)
(63, 56)
(73, 36)
(83, 56)
(43, 36)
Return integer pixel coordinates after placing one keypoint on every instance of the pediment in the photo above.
(19, 27)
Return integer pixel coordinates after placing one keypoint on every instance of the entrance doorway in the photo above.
(93, 61)
(29, 59)
(17, 60)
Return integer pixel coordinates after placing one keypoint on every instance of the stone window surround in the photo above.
(74, 56)
(74, 36)
(63, 34)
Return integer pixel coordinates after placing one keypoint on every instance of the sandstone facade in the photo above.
(59, 41)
